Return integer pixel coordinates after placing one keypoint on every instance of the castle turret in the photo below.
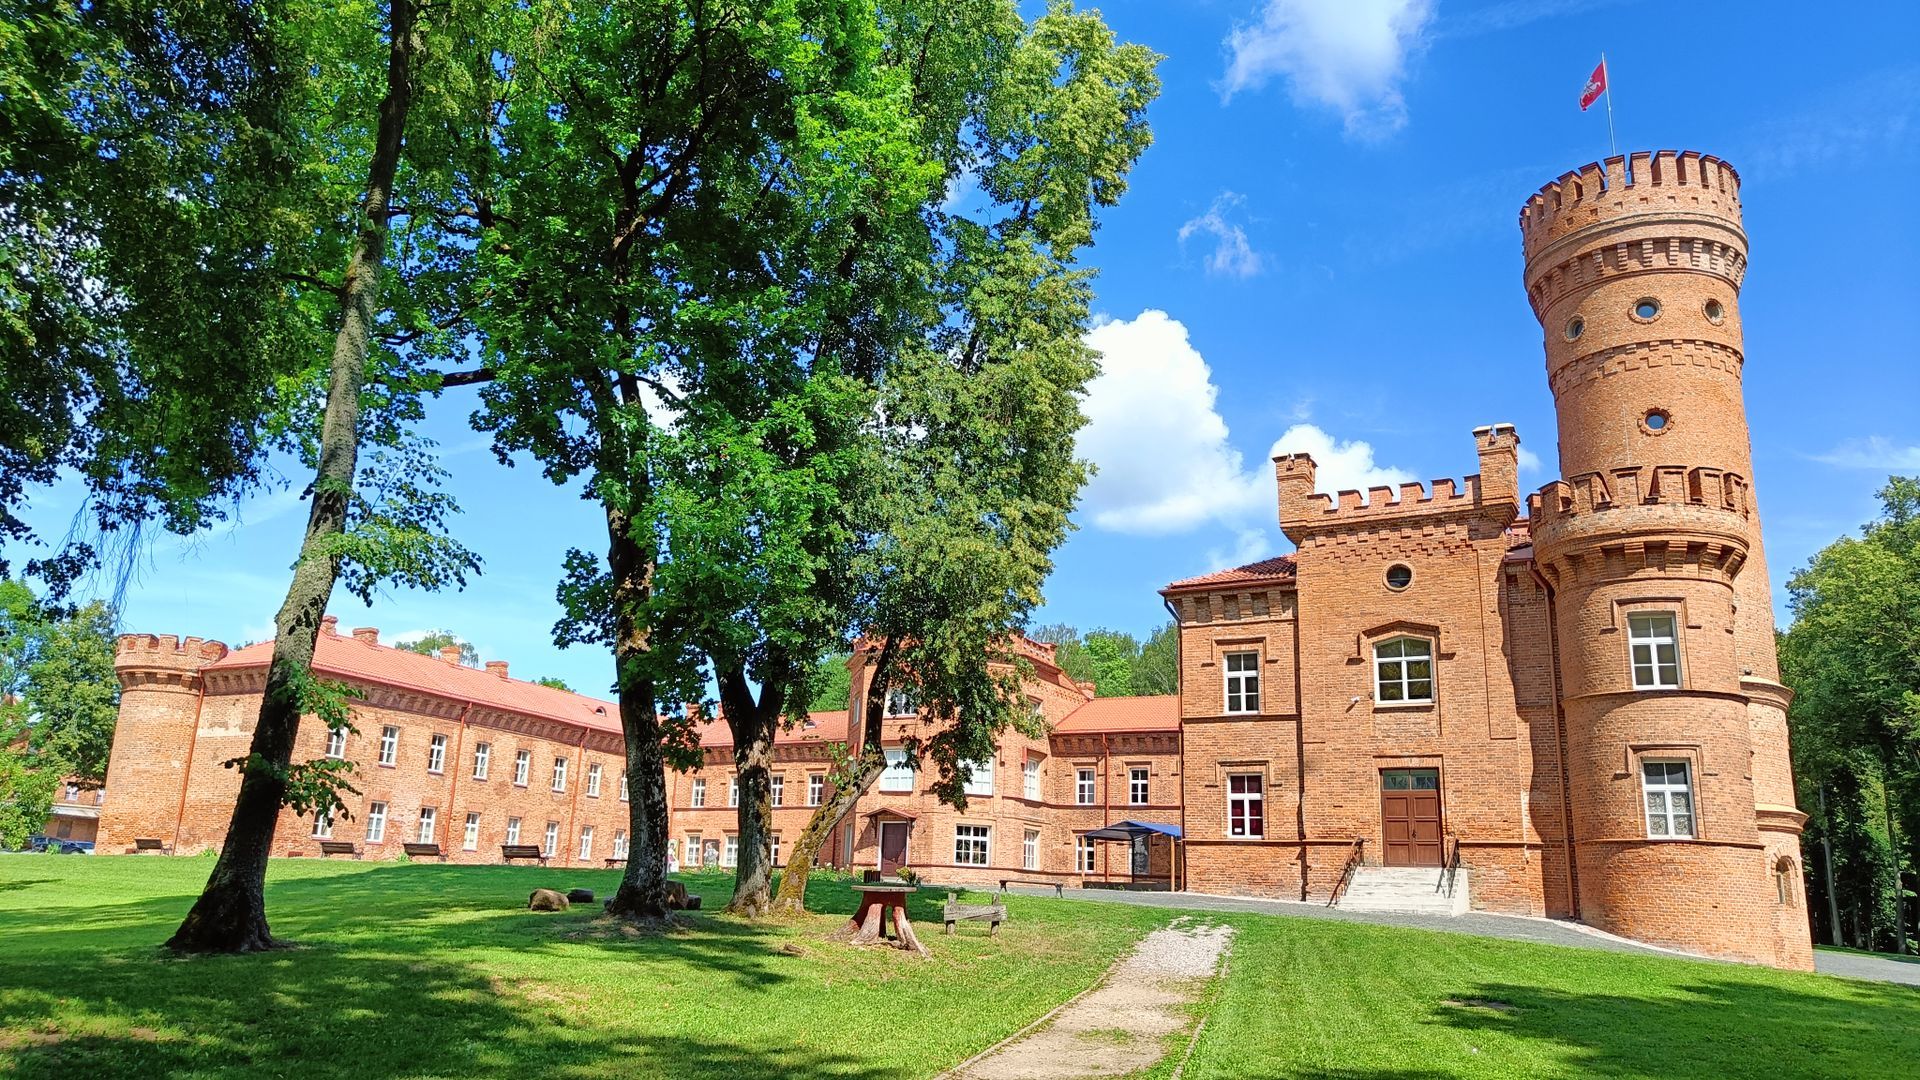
(160, 689)
(1683, 807)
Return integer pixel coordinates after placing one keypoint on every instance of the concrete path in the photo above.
(1900, 969)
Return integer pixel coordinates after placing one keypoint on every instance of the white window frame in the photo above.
(1645, 631)
(376, 822)
(470, 835)
(1030, 779)
(513, 830)
(777, 788)
(522, 765)
(593, 780)
(1405, 683)
(437, 754)
(733, 790)
(1085, 788)
(1664, 790)
(560, 775)
(619, 843)
(697, 798)
(816, 788)
(693, 851)
(1139, 785)
(389, 745)
(623, 787)
(730, 851)
(980, 777)
(773, 844)
(586, 843)
(551, 846)
(429, 825)
(973, 845)
(323, 826)
(482, 760)
(1030, 850)
(337, 743)
(1242, 670)
(898, 775)
(1246, 804)
(900, 702)
(1083, 849)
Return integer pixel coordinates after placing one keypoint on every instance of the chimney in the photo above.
(450, 653)
(497, 667)
(1499, 450)
(1295, 476)
(368, 634)
(330, 625)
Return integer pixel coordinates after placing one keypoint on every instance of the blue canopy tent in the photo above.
(1139, 836)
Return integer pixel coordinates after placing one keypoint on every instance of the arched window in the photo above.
(1403, 671)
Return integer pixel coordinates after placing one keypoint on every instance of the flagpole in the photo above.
(1606, 80)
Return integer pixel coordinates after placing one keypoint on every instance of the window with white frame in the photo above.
(323, 826)
(586, 842)
(620, 843)
(482, 760)
(733, 791)
(623, 787)
(731, 857)
(1139, 785)
(699, 796)
(513, 830)
(522, 764)
(1083, 854)
(1243, 682)
(1669, 790)
(337, 743)
(898, 775)
(593, 780)
(560, 774)
(1030, 779)
(376, 822)
(552, 844)
(429, 818)
(980, 777)
(778, 788)
(389, 745)
(1030, 850)
(470, 836)
(437, 754)
(774, 844)
(1083, 787)
(816, 788)
(1403, 671)
(693, 849)
(1654, 640)
(1246, 805)
(901, 703)
(970, 844)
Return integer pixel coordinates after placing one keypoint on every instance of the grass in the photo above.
(435, 971)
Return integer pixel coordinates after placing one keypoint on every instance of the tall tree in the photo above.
(67, 681)
(431, 642)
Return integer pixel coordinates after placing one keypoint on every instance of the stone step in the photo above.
(1405, 889)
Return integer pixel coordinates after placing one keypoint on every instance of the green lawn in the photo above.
(425, 970)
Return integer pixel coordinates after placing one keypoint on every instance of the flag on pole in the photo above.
(1596, 85)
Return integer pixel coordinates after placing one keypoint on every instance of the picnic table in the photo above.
(880, 901)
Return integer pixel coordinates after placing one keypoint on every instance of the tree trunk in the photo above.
(863, 774)
(231, 914)
(753, 876)
(643, 888)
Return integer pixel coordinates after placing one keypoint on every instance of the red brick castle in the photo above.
(1564, 704)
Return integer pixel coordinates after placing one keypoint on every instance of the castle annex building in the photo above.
(1561, 703)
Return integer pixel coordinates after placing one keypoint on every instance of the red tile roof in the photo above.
(1279, 568)
(819, 727)
(1159, 712)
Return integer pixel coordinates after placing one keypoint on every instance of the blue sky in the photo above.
(1320, 250)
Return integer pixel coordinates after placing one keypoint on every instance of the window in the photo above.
(1083, 854)
(1669, 799)
(623, 787)
(816, 788)
(775, 855)
(1646, 309)
(376, 822)
(389, 745)
(779, 789)
(732, 856)
(1138, 786)
(1655, 646)
(899, 775)
(513, 830)
(482, 760)
(970, 844)
(323, 826)
(593, 780)
(693, 849)
(1575, 327)
(586, 842)
(1403, 671)
(1399, 576)
(1030, 779)
(1083, 787)
(437, 754)
(1716, 312)
(429, 817)
(470, 839)
(1243, 682)
(559, 774)
(553, 839)
(1246, 805)
(522, 761)
(1030, 850)
(901, 703)
(337, 743)
(733, 791)
(699, 793)
(620, 843)
(980, 777)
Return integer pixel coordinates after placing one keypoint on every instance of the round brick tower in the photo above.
(1683, 805)
(153, 740)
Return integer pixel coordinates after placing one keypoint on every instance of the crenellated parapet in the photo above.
(1491, 494)
(164, 659)
(1658, 519)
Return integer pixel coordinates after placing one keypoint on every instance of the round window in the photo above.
(1399, 576)
(1716, 314)
(1656, 421)
(1575, 327)
(1646, 309)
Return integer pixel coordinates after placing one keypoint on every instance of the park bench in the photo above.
(338, 847)
(616, 860)
(994, 913)
(144, 844)
(423, 851)
(1059, 890)
(510, 852)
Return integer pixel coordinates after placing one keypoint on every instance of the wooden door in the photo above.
(893, 846)
(1410, 816)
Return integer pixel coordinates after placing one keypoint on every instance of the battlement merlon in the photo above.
(150, 657)
(1642, 182)
(1494, 496)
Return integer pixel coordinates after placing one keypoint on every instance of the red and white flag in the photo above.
(1596, 85)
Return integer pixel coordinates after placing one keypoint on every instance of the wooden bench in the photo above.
(510, 852)
(423, 851)
(1059, 890)
(144, 844)
(338, 847)
(994, 912)
(616, 860)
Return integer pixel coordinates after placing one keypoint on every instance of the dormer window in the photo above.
(1403, 671)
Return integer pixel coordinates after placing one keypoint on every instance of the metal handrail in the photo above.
(1449, 863)
(1347, 871)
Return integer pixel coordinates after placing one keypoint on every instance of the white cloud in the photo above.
(1249, 545)
(1348, 56)
(1232, 255)
(1530, 462)
(1339, 466)
(1873, 452)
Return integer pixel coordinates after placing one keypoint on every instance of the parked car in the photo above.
(59, 846)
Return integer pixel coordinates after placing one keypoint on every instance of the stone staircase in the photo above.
(1417, 889)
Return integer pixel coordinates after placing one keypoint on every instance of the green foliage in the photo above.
(830, 687)
(318, 786)
(554, 681)
(431, 642)
(28, 783)
(1117, 663)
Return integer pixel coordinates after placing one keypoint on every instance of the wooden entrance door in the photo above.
(893, 846)
(1410, 816)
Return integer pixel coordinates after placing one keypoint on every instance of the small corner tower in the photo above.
(1683, 807)
(160, 688)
